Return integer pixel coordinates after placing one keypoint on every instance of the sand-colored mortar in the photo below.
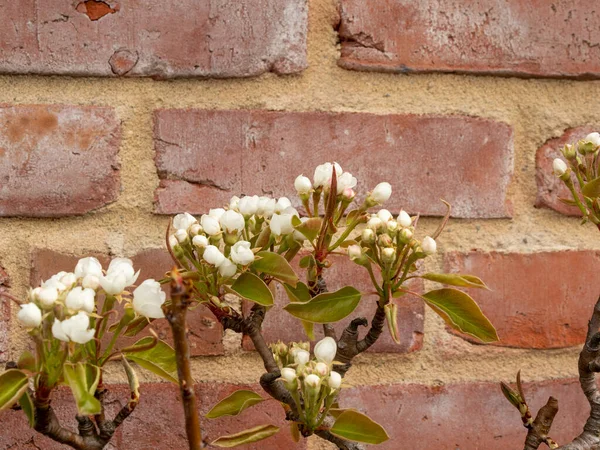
(536, 109)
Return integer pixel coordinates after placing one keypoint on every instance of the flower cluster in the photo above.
(582, 166)
(69, 299)
(311, 381)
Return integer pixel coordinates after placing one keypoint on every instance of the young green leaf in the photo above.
(159, 359)
(306, 260)
(26, 403)
(327, 307)
(357, 427)
(252, 288)
(83, 379)
(309, 228)
(456, 279)
(591, 189)
(246, 437)
(276, 266)
(461, 312)
(234, 404)
(298, 294)
(13, 384)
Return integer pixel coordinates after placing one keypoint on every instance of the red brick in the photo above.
(158, 421)
(153, 38)
(5, 315)
(204, 157)
(464, 416)
(461, 36)
(539, 300)
(550, 187)
(281, 326)
(57, 160)
(205, 332)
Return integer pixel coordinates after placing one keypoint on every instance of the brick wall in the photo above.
(116, 114)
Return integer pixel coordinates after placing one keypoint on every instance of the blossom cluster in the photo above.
(69, 299)
(311, 381)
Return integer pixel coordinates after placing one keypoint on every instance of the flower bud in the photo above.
(345, 181)
(68, 279)
(323, 174)
(213, 255)
(335, 380)
(91, 282)
(368, 236)
(282, 223)
(301, 357)
(181, 236)
(559, 167)
(392, 226)
(348, 195)
(88, 266)
(405, 235)
(354, 252)
(195, 229)
(594, 138)
(210, 225)
(325, 350)
(232, 222)
(81, 299)
(321, 369)
(282, 204)
(241, 253)
(429, 245)
(47, 296)
(302, 185)
(148, 299)
(266, 206)
(248, 205)
(227, 269)
(375, 223)
(385, 241)
(382, 192)
(200, 241)
(404, 219)
(384, 215)
(234, 203)
(30, 315)
(388, 255)
(183, 221)
(173, 242)
(312, 381)
(289, 378)
(569, 151)
(216, 212)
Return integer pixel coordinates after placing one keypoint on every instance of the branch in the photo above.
(176, 315)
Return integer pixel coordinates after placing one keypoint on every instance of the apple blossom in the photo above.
(303, 185)
(213, 255)
(183, 221)
(241, 253)
(335, 380)
(559, 167)
(382, 192)
(266, 206)
(195, 229)
(88, 266)
(80, 298)
(210, 225)
(429, 245)
(68, 279)
(75, 329)
(325, 350)
(323, 172)
(148, 298)
(30, 315)
(232, 221)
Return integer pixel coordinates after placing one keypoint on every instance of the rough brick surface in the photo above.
(281, 326)
(204, 157)
(205, 332)
(187, 38)
(550, 187)
(57, 160)
(464, 416)
(5, 317)
(484, 37)
(539, 300)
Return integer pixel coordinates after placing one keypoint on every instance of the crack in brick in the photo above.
(96, 9)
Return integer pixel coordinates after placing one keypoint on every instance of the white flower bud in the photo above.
(368, 236)
(148, 298)
(227, 269)
(354, 252)
(213, 255)
(288, 374)
(54, 282)
(348, 194)
(266, 206)
(282, 204)
(302, 185)
(345, 181)
(90, 281)
(282, 224)
(81, 299)
(234, 203)
(406, 235)
(216, 213)
(301, 357)
(248, 205)
(325, 350)
(119, 275)
(200, 241)
(68, 279)
(232, 222)
(241, 253)
(181, 236)
(47, 296)
(210, 225)
(594, 138)
(384, 215)
(335, 380)
(74, 329)
(323, 174)
(559, 167)
(404, 219)
(321, 369)
(195, 229)
(429, 245)
(375, 223)
(183, 221)
(299, 237)
(392, 226)
(382, 192)
(388, 255)
(30, 315)
(312, 381)
(88, 266)
(173, 242)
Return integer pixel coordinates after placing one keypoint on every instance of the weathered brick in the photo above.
(152, 38)
(160, 414)
(280, 325)
(471, 416)
(204, 157)
(205, 332)
(550, 187)
(539, 300)
(461, 36)
(57, 160)
(5, 314)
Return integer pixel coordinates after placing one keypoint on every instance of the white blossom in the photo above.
(301, 357)
(216, 212)
(213, 255)
(241, 253)
(282, 223)
(382, 192)
(75, 329)
(288, 374)
(90, 281)
(200, 241)
(30, 315)
(345, 181)
(68, 279)
(81, 299)
(354, 252)
(374, 223)
(335, 380)
(302, 185)
(429, 245)
(210, 225)
(88, 266)
(47, 296)
(148, 298)
(323, 174)
(368, 236)
(312, 381)
(404, 219)
(234, 203)
(594, 138)
(325, 350)
(181, 236)
(384, 215)
(183, 221)
(559, 167)
(248, 205)
(232, 222)
(322, 369)
(227, 269)
(282, 204)
(266, 206)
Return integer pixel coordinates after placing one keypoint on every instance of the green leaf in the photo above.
(252, 288)
(83, 379)
(234, 404)
(247, 436)
(306, 260)
(309, 329)
(276, 266)
(327, 307)
(461, 312)
(13, 384)
(357, 427)
(309, 228)
(456, 279)
(27, 362)
(159, 359)
(591, 189)
(136, 326)
(27, 406)
(298, 294)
